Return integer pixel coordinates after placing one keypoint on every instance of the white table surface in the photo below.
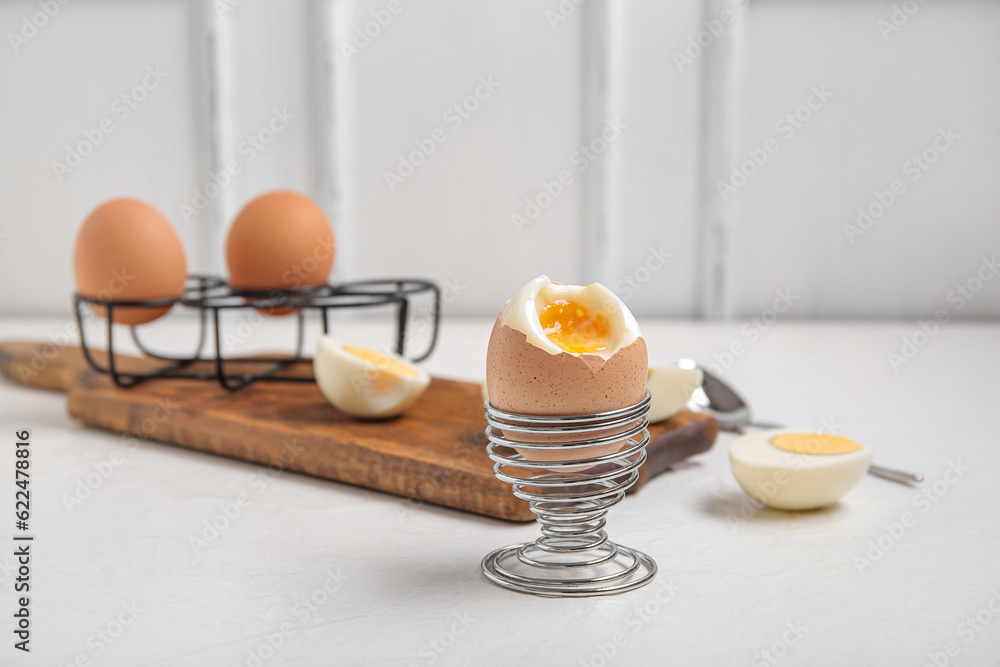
(404, 582)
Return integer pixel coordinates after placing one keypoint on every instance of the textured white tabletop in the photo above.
(311, 572)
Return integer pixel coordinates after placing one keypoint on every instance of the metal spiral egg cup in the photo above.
(573, 557)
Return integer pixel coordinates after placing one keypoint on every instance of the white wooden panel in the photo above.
(561, 75)
(451, 219)
(272, 76)
(890, 98)
(59, 86)
(653, 198)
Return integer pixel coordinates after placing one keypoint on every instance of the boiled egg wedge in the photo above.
(366, 383)
(670, 388)
(792, 469)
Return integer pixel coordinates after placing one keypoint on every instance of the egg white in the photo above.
(523, 310)
(670, 389)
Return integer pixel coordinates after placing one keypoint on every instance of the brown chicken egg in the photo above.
(565, 350)
(127, 251)
(281, 240)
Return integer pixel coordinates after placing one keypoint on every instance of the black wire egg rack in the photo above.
(210, 296)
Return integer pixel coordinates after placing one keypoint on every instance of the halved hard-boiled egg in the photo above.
(792, 469)
(670, 388)
(565, 350)
(363, 382)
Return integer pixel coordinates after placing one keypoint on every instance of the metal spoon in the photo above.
(733, 414)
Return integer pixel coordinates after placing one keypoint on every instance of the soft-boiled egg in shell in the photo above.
(565, 350)
(792, 469)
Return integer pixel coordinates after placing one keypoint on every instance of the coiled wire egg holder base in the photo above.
(573, 557)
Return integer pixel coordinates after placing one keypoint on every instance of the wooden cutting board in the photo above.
(434, 453)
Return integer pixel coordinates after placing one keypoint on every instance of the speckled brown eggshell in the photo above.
(524, 379)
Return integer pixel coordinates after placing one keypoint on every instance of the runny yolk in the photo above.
(814, 443)
(575, 328)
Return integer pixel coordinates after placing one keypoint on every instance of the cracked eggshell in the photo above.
(524, 379)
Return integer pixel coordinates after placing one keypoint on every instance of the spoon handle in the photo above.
(767, 425)
(895, 475)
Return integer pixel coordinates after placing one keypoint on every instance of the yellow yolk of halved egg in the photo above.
(575, 328)
(816, 444)
(382, 361)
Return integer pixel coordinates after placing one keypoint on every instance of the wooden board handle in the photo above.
(42, 365)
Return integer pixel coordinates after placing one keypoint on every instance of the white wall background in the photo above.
(562, 73)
